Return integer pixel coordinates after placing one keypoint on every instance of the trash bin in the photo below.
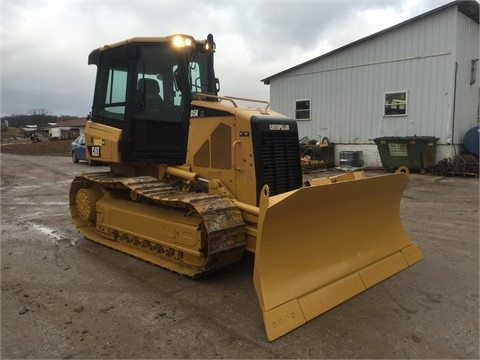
(470, 140)
(415, 152)
(351, 158)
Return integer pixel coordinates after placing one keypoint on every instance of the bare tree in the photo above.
(41, 112)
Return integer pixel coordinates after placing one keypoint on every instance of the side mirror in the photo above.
(178, 79)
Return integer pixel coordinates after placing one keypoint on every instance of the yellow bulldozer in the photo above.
(196, 179)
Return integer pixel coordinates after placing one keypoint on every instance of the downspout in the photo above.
(454, 105)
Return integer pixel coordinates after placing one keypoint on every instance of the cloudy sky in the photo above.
(45, 44)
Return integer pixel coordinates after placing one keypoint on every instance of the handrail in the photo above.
(215, 97)
(234, 154)
(233, 98)
(250, 100)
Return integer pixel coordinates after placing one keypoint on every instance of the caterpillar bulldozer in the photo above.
(196, 179)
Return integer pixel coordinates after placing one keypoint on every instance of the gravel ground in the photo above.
(66, 297)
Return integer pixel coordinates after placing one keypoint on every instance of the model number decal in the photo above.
(280, 127)
(197, 113)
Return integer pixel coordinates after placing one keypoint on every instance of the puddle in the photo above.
(26, 186)
(53, 203)
(46, 230)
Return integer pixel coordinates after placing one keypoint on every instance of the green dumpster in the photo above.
(415, 152)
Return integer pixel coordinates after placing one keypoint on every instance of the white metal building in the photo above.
(416, 78)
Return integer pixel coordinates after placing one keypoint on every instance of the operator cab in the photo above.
(144, 87)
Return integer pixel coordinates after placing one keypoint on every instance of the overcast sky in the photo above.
(45, 44)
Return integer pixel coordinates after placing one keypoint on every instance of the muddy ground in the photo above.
(63, 296)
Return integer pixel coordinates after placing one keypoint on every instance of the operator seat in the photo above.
(151, 90)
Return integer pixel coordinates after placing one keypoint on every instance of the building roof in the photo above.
(71, 123)
(469, 8)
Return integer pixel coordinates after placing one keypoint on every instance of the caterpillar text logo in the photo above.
(279, 127)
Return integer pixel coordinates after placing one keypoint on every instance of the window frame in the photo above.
(309, 109)
(385, 105)
(115, 103)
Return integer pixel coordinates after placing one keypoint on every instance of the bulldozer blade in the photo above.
(323, 244)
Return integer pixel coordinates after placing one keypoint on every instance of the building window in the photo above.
(473, 72)
(302, 110)
(478, 111)
(395, 103)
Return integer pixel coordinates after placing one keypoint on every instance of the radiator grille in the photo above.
(277, 160)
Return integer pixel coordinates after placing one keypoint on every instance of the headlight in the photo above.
(181, 41)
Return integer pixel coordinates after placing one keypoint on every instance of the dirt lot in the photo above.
(26, 147)
(66, 297)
